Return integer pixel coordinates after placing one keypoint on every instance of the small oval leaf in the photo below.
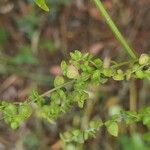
(112, 128)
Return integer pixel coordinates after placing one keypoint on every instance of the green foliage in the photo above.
(79, 136)
(112, 128)
(42, 4)
(82, 70)
(15, 115)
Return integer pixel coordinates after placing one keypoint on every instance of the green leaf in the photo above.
(108, 72)
(118, 77)
(72, 72)
(73, 56)
(64, 67)
(59, 80)
(140, 74)
(66, 136)
(112, 128)
(76, 55)
(35, 97)
(25, 110)
(55, 97)
(42, 4)
(96, 75)
(80, 97)
(14, 125)
(78, 136)
(98, 62)
(10, 110)
(96, 124)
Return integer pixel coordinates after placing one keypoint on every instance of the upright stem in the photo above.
(114, 29)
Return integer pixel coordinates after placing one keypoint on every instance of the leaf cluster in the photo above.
(70, 89)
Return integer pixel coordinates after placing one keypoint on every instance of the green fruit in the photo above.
(144, 59)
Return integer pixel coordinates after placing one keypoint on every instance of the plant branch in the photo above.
(114, 29)
(56, 88)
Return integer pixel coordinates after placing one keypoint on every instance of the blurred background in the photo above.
(34, 42)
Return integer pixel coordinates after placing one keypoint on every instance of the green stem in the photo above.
(121, 64)
(114, 29)
(56, 88)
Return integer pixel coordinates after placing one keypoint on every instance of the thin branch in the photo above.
(56, 88)
(114, 29)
